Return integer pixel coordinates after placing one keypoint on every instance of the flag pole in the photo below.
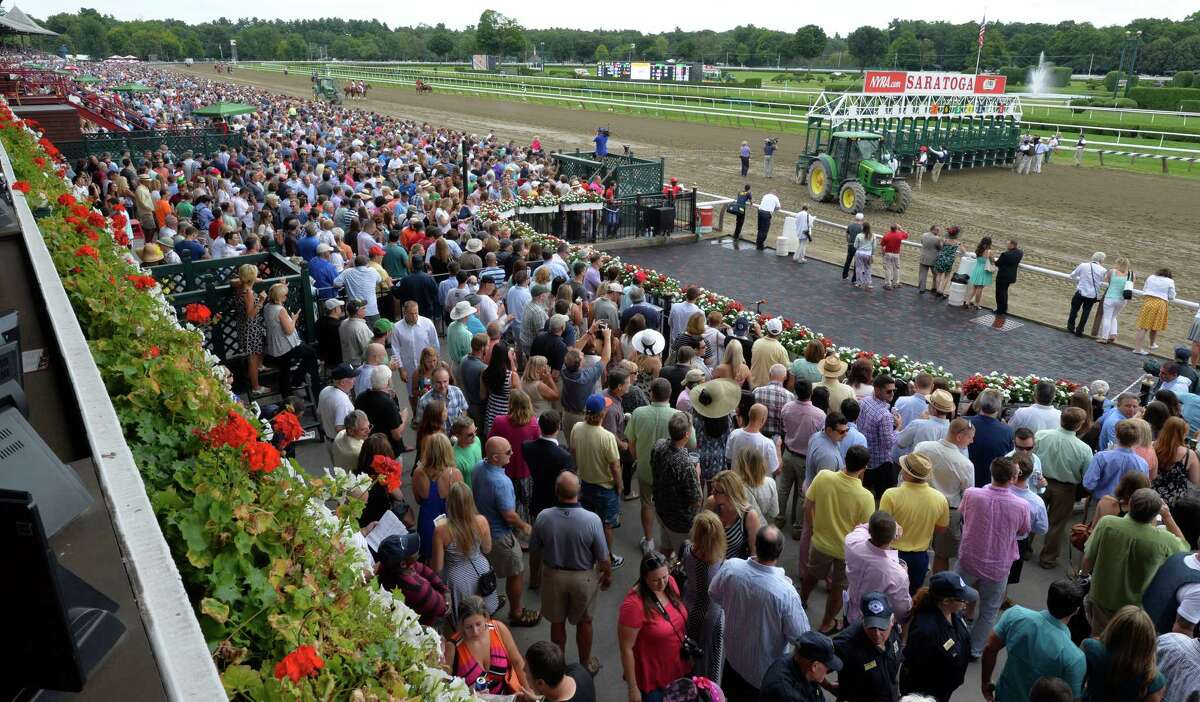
(979, 50)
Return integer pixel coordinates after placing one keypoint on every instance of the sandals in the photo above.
(529, 617)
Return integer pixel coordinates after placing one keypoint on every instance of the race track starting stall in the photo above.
(968, 115)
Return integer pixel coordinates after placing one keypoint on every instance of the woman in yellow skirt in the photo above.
(1158, 290)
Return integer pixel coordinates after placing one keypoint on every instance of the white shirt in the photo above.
(953, 472)
(680, 313)
(770, 203)
(332, 407)
(408, 341)
(361, 283)
(740, 439)
(1036, 418)
(1159, 286)
(1179, 661)
(1089, 274)
(488, 311)
(804, 222)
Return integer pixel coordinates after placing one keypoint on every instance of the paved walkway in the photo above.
(899, 321)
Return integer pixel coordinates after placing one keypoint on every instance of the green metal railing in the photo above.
(199, 141)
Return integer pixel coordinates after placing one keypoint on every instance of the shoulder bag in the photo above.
(1127, 293)
(487, 579)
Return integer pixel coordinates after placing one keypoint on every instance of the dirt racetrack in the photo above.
(1059, 217)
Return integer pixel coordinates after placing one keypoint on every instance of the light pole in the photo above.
(1136, 40)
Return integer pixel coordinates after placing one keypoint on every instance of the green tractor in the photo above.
(327, 89)
(847, 168)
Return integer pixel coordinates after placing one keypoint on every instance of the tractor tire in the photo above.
(852, 198)
(903, 198)
(820, 182)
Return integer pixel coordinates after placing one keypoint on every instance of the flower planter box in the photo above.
(583, 206)
(539, 209)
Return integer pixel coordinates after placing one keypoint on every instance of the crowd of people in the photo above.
(537, 389)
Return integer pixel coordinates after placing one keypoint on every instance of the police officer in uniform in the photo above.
(870, 653)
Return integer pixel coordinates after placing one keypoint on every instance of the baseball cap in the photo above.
(342, 371)
(399, 547)
(876, 611)
(814, 646)
(333, 303)
(775, 326)
(383, 326)
(741, 325)
(694, 377)
(595, 404)
(859, 216)
(377, 251)
(950, 584)
(323, 248)
(539, 289)
(353, 306)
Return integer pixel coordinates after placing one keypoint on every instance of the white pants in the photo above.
(1108, 326)
(1037, 162)
(891, 267)
(801, 247)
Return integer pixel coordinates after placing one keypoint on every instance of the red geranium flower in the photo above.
(21, 185)
(95, 219)
(301, 663)
(87, 251)
(155, 352)
(197, 313)
(388, 471)
(261, 456)
(119, 220)
(120, 237)
(66, 199)
(142, 282)
(39, 161)
(287, 428)
(235, 431)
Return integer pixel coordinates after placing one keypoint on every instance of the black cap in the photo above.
(342, 371)
(950, 584)
(816, 646)
(741, 325)
(876, 611)
(1183, 354)
(353, 306)
(398, 547)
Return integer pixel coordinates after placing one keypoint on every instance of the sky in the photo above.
(786, 15)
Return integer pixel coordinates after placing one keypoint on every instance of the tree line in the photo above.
(1164, 46)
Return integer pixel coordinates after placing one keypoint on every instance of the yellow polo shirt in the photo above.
(840, 504)
(918, 509)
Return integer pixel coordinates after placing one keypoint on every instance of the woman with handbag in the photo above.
(864, 255)
(738, 208)
(702, 556)
(1120, 282)
(652, 632)
(983, 273)
(459, 544)
(482, 651)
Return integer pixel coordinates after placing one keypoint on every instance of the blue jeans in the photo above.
(991, 596)
(918, 567)
(655, 696)
(603, 502)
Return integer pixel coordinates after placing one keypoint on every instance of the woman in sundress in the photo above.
(943, 267)
(459, 544)
(982, 273)
(702, 555)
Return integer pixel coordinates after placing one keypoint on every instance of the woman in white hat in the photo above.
(633, 344)
(713, 406)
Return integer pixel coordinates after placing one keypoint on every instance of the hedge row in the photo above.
(1163, 98)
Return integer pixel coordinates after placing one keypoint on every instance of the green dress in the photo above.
(979, 274)
(945, 257)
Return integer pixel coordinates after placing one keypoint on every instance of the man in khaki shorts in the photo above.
(576, 566)
(495, 499)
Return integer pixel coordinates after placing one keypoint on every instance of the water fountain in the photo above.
(1038, 79)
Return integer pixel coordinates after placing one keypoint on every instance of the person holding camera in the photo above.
(769, 146)
(762, 614)
(651, 631)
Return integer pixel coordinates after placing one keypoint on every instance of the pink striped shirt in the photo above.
(993, 519)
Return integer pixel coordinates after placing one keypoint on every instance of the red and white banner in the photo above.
(932, 83)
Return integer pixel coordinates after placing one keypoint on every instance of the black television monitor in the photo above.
(47, 644)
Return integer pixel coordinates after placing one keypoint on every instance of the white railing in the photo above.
(184, 663)
(1039, 270)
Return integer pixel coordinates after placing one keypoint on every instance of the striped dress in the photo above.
(706, 619)
(461, 575)
(497, 404)
(736, 545)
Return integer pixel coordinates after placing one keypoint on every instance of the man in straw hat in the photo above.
(833, 368)
(458, 334)
(921, 511)
(940, 410)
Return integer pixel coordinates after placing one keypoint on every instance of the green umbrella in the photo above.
(221, 110)
(87, 79)
(133, 88)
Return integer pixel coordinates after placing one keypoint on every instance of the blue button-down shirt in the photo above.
(853, 437)
(1107, 467)
(1108, 427)
(455, 401)
(764, 602)
(494, 495)
(879, 427)
(911, 407)
(323, 274)
(823, 454)
(1039, 521)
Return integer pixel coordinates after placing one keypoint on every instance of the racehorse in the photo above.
(423, 87)
(356, 89)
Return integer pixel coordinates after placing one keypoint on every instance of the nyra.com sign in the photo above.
(931, 83)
